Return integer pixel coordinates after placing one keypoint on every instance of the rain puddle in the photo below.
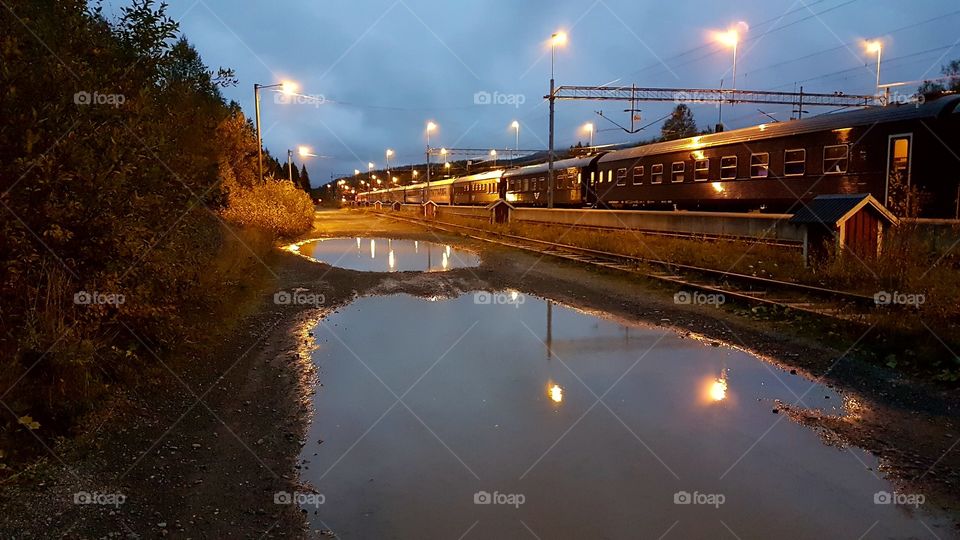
(386, 254)
(506, 416)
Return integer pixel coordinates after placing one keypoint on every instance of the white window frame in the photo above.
(846, 158)
(803, 161)
(765, 165)
(706, 167)
(637, 179)
(622, 178)
(674, 172)
(654, 174)
(736, 164)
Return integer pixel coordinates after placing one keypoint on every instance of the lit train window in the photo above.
(795, 162)
(676, 172)
(656, 173)
(759, 165)
(579, 178)
(622, 177)
(701, 170)
(638, 175)
(610, 176)
(728, 168)
(835, 159)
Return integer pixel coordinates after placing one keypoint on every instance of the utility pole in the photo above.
(256, 99)
(290, 165)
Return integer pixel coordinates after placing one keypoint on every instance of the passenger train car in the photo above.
(906, 156)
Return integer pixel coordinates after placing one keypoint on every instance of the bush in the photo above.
(275, 205)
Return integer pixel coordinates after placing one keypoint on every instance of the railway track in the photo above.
(751, 290)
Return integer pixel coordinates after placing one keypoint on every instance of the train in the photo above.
(906, 155)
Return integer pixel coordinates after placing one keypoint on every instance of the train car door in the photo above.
(899, 166)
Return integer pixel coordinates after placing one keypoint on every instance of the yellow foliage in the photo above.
(275, 205)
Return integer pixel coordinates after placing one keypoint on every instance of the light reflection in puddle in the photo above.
(600, 426)
(385, 254)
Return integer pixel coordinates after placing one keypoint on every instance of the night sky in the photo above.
(386, 67)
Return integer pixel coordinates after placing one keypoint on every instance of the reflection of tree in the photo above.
(903, 200)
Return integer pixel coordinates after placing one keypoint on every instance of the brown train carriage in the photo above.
(482, 188)
(903, 155)
(528, 185)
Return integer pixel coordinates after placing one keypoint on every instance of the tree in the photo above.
(951, 72)
(304, 179)
(680, 124)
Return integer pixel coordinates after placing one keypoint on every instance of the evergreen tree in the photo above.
(304, 179)
(680, 124)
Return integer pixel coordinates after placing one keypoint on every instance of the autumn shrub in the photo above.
(275, 205)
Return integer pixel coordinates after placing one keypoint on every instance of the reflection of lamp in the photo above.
(718, 388)
(373, 249)
(555, 392)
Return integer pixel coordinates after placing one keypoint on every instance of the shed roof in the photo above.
(836, 209)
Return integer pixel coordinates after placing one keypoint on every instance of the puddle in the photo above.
(498, 416)
(386, 254)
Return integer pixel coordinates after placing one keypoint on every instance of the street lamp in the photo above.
(430, 127)
(516, 126)
(731, 38)
(558, 38)
(876, 46)
(588, 127)
(287, 87)
(389, 154)
(493, 154)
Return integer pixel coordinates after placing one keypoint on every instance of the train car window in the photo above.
(759, 165)
(579, 178)
(795, 162)
(656, 173)
(835, 159)
(526, 184)
(701, 170)
(622, 177)
(676, 172)
(638, 175)
(728, 168)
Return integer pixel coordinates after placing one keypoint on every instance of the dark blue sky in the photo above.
(388, 66)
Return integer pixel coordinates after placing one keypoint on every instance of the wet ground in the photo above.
(502, 415)
(387, 254)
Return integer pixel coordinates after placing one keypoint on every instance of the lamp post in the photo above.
(559, 38)
(876, 46)
(430, 127)
(389, 154)
(588, 127)
(516, 126)
(493, 154)
(369, 170)
(288, 88)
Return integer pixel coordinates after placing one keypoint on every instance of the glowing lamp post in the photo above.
(287, 87)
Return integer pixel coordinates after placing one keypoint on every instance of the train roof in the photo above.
(488, 175)
(561, 164)
(826, 122)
